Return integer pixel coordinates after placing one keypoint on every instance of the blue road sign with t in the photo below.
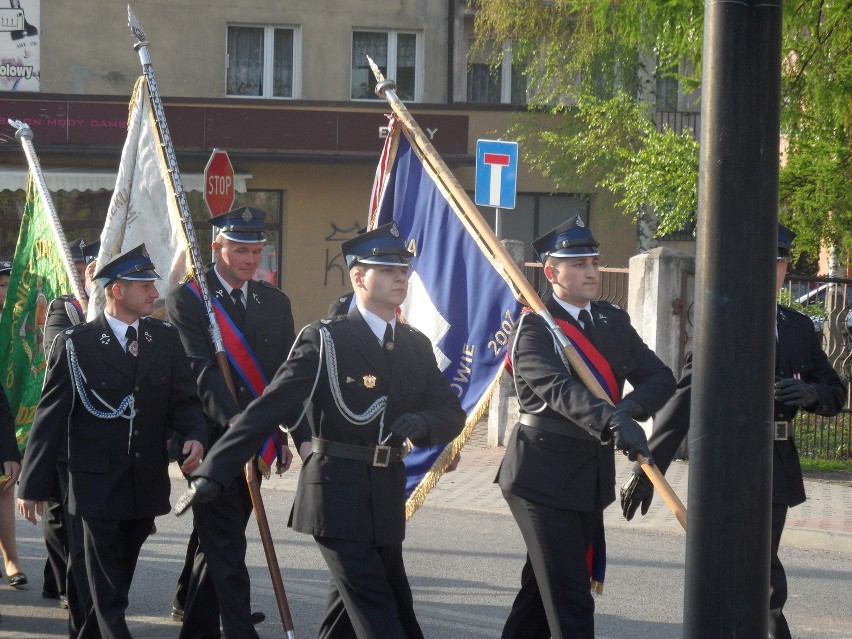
(496, 173)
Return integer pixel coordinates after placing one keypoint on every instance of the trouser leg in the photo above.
(556, 543)
(360, 576)
(112, 549)
(778, 627)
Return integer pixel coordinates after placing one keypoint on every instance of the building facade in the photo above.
(285, 89)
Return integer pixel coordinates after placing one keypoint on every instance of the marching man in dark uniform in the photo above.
(804, 380)
(558, 473)
(113, 387)
(372, 383)
(257, 330)
(65, 573)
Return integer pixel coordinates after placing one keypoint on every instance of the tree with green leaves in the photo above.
(593, 67)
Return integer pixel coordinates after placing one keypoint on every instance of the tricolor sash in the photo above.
(242, 358)
(594, 360)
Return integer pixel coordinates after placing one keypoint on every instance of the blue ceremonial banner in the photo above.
(456, 296)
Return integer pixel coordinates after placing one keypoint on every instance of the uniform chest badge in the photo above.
(369, 381)
(105, 339)
(148, 337)
(256, 300)
(219, 293)
(133, 348)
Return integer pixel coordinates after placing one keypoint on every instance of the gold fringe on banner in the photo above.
(430, 479)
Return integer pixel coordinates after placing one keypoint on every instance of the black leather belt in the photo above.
(783, 431)
(379, 456)
(557, 427)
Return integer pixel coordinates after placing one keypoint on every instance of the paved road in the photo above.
(464, 554)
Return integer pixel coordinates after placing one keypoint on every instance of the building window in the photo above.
(395, 52)
(263, 62)
(487, 84)
(666, 89)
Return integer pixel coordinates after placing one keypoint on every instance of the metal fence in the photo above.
(613, 283)
(828, 301)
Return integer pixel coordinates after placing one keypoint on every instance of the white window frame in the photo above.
(268, 54)
(391, 62)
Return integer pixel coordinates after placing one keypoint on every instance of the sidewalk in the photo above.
(823, 522)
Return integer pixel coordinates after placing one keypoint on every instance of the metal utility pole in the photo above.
(730, 441)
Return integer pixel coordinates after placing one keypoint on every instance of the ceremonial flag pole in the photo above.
(141, 47)
(521, 287)
(39, 274)
(25, 136)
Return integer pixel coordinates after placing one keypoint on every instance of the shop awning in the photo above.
(14, 178)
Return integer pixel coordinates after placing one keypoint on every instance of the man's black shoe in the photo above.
(256, 617)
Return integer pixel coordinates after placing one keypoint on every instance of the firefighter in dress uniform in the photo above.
(370, 383)
(114, 386)
(558, 473)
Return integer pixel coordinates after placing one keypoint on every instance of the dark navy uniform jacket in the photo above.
(117, 471)
(343, 498)
(798, 351)
(574, 471)
(268, 330)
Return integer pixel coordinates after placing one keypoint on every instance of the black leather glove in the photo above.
(629, 436)
(636, 491)
(634, 408)
(411, 426)
(201, 489)
(795, 392)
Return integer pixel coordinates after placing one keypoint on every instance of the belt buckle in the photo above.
(781, 432)
(381, 456)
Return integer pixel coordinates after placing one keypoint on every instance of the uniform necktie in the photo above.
(588, 326)
(239, 309)
(387, 342)
(132, 346)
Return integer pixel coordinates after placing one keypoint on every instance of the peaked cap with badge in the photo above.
(243, 224)
(570, 239)
(381, 246)
(5, 267)
(75, 248)
(785, 242)
(134, 264)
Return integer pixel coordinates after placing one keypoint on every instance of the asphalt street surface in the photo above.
(463, 554)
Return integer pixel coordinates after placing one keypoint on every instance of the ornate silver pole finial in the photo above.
(136, 29)
(23, 129)
(383, 84)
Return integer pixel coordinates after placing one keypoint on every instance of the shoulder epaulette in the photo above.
(158, 322)
(606, 304)
(793, 311)
(267, 284)
(330, 321)
(408, 327)
(76, 329)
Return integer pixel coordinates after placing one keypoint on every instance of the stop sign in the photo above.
(219, 183)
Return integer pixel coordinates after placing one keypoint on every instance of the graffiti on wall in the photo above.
(335, 265)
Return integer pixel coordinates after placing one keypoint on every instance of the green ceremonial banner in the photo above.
(37, 277)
